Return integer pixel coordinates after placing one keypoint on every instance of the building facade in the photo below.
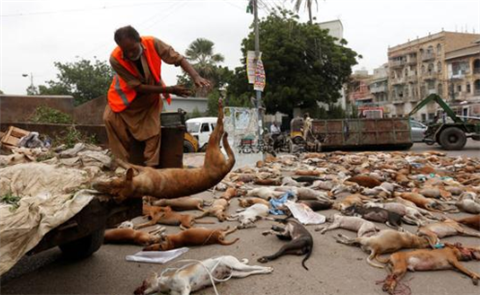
(418, 68)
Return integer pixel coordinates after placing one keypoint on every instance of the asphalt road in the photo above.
(334, 268)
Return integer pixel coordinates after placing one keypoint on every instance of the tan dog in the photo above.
(444, 229)
(247, 202)
(472, 222)
(437, 259)
(386, 241)
(355, 199)
(198, 236)
(181, 204)
(175, 182)
(218, 209)
(230, 193)
(422, 202)
(131, 236)
(166, 216)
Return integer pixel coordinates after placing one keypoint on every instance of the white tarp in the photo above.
(50, 195)
(304, 214)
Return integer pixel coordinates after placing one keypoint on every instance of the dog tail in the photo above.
(307, 256)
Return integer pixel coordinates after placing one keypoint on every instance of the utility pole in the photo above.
(257, 56)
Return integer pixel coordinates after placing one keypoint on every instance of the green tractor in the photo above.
(450, 135)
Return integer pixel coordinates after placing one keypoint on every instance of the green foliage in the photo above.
(303, 64)
(45, 114)
(73, 136)
(203, 59)
(32, 90)
(10, 199)
(195, 113)
(84, 80)
(212, 104)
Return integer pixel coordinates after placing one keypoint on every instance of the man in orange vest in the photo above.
(134, 101)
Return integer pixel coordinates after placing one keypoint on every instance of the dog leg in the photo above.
(323, 230)
(392, 280)
(225, 243)
(243, 274)
(342, 239)
(149, 223)
(475, 277)
(373, 256)
(228, 231)
(289, 248)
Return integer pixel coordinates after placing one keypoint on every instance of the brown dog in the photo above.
(175, 182)
(198, 236)
(181, 204)
(166, 216)
(385, 241)
(437, 259)
(218, 209)
(472, 222)
(422, 202)
(129, 235)
(444, 229)
(365, 180)
(247, 202)
(230, 193)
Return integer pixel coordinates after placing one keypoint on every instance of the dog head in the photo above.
(120, 188)
(149, 286)
(465, 253)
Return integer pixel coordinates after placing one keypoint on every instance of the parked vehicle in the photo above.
(450, 133)
(417, 131)
(201, 128)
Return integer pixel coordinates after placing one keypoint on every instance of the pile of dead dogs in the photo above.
(429, 190)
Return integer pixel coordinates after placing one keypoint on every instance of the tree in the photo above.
(303, 64)
(201, 55)
(84, 80)
(308, 5)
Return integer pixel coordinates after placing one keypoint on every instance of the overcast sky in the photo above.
(35, 34)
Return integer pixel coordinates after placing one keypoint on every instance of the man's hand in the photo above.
(202, 82)
(179, 90)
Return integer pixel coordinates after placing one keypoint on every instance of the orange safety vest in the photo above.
(120, 95)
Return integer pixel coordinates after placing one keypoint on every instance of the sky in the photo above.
(35, 34)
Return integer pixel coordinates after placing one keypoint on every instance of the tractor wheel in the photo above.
(188, 147)
(452, 138)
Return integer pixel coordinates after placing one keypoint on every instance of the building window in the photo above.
(476, 66)
(424, 118)
(459, 88)
(469, 89)
(439, 67)
(430, 68)
(477, 86)
(439, 48)
(440, 89)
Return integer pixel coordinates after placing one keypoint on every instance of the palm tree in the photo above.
(200, 54)
(308, 4)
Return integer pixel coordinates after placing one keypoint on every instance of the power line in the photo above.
(105, 7)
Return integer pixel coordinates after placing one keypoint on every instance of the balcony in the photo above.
(412, 78)
(429, 75)
(412, 61)
(428, 56)
(377, 89)
(397, 63)
(397, 81)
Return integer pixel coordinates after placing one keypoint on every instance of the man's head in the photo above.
(129, 41)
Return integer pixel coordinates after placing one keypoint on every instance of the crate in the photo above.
(11, 138)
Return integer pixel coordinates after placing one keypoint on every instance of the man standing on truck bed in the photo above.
(134, 102)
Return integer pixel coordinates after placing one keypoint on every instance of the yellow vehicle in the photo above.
(190, 143)
(296, 130)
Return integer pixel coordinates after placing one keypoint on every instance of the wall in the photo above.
(91, 112)
(19, 108)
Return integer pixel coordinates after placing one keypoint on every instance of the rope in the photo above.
(401, 289)
(193, 262)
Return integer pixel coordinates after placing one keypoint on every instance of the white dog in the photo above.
(199, 275)
(364, 228)
(264, 192)
(248, 216)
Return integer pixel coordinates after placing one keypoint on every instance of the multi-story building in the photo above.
(379, 87)
(417, 68)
